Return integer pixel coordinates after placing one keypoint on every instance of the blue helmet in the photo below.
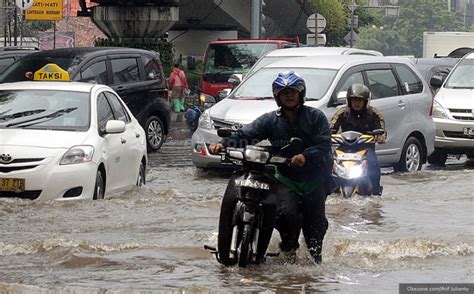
(289, 80)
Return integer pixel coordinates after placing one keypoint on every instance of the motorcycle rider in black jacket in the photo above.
(301, 188)
(359, 116)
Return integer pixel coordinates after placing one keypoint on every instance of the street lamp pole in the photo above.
(255, 24)
(352, 23)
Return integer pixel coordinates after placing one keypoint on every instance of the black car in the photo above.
(135, 74)
(8, 55)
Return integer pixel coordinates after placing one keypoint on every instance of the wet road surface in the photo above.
(150, 239)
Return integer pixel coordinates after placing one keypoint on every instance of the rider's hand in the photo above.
(297, 160)
(380, 138)
(215, 148)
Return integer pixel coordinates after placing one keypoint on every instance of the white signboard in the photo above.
(24, 4)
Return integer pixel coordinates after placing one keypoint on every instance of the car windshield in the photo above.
(223, 60)
(259, 84)
(266, 60)
(16, 71)
(462, 76)
(44, 109)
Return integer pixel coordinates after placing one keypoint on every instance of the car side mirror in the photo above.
(191, 63)
(436, 81)
(341, 98)
(224, 93)
(114, 127)
(235, 79)
(225, 132)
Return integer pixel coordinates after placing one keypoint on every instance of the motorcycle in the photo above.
(240, 224)
(350, 162)
(194, 111)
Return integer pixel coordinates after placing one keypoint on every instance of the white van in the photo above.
(453, 112)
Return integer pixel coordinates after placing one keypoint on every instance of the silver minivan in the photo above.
(398, 91)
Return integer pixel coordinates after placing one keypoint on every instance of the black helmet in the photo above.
(358, 91)
(289, 80)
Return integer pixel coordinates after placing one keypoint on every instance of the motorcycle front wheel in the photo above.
(245, 248)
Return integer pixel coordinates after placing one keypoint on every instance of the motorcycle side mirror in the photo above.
(224, 93)
(297, 143)
(224, 132)
(378, 132)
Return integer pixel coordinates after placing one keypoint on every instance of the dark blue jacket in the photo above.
(310, 125)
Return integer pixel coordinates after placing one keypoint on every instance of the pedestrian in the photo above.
(178, 84)
(359, 116)
(303, 185)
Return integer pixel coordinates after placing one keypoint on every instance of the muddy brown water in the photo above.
(150, 239)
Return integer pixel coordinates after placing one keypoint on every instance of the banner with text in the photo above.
(45, 10)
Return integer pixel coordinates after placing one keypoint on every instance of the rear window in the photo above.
(16, 72)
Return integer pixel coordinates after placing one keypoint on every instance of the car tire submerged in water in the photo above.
(155, 133)
(410, 160)
(438, 157)
(99, 188)
(141, 175)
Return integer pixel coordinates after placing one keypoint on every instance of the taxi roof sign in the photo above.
(51, 72)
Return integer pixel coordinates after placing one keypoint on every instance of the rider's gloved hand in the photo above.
(380, 138)
(215, 148)
(297, 160)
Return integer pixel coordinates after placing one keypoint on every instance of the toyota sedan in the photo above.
(67, 140)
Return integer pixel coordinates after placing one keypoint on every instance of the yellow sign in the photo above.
(51, 72)
(45, 10)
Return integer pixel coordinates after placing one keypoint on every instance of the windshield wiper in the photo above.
(48, 117)
(253, 98)
(21, 114)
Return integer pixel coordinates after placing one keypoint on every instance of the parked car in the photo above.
(429, 67)
(453, 112)
(135, 74)
(8, 55)
(67, 140)
(398, 91)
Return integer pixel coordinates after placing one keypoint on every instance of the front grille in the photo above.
(457, 135)
(25, 160)
(32, 195)
(462, 114)
(7, 169)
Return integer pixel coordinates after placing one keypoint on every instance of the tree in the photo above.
(403, 35)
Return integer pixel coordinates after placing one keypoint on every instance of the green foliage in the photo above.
(336, 20)
(403, 35)
(164, 48)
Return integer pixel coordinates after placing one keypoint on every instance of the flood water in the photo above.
(151, 239)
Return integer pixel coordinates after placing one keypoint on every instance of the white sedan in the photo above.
(67, 140)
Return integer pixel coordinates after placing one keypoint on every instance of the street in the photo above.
(151, 238)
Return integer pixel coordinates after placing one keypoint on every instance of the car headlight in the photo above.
(439, 111)
(205, 121)
(77, 154)
(256, 156)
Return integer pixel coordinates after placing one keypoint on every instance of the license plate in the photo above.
(12, 185)
(252, 184)
(468, 131)
(349, 156)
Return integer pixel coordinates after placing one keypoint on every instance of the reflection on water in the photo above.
(152, 237)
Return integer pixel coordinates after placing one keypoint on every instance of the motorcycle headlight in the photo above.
(355, 172)
(205, 121)
(77, 154)
(341, 171)
(439, 111)
(256, 156)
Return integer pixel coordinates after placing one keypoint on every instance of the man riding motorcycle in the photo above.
(302, 186)
(359, 116)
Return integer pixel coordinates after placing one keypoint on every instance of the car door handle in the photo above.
(402, 104)
(137, 135)
(123, 140)
(120, 89)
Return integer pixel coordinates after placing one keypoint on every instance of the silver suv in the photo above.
(398, 91)
(453, 112)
